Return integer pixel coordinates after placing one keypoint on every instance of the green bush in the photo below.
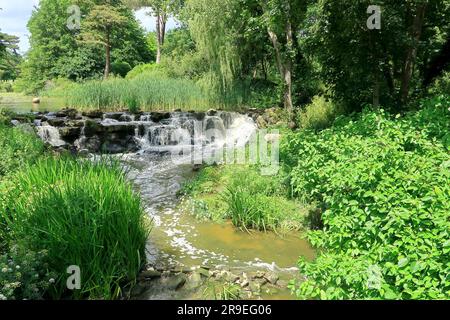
(383, 185)
(81, 213)
(120, 68)
(319, 114)
(441, 85)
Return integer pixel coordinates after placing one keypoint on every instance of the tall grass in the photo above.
(17, 148)
(83, 214)
(146, 92)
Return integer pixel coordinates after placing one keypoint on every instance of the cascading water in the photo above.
(50, 135)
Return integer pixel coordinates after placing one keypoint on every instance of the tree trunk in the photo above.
(416, 32)
(285, 69)
(161, 20)
(108, 56)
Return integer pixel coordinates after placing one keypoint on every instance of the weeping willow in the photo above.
(212, 27)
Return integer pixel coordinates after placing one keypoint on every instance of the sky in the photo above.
(16, 13)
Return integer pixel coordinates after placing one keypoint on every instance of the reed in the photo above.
(83, 214)
(146, 92)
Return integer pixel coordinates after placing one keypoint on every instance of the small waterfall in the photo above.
(50, 135)
(185, 129)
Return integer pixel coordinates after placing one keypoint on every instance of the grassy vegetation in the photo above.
(56, 211)
(249, 200)
(382, 183)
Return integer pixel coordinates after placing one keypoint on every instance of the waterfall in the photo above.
(50, 135)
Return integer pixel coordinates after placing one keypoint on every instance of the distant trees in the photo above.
(9, 56)
(56, 51)
(161, 9)
(100, 23)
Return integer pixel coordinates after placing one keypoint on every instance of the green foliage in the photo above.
(96, 222)
(249, 200)
(120, 68)
(17, 146)
(55, 51)
(441, 85)
(383, 186)
(319, 114)
(24, 275)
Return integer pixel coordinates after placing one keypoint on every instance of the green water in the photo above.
(23, 104)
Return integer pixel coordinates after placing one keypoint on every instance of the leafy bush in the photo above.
(83, 214)
(383, 185)
(24, 275)
(121, 68)
(441, 85)
(319, 114)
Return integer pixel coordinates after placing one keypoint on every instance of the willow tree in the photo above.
(97, 27)
(224, 28)
(161, 10)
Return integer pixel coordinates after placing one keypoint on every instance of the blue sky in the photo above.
(15, 14)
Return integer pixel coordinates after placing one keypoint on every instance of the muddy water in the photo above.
(178, 240)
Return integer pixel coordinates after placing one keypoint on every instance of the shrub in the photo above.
(319, 114)
(383, 185)
(24, 275)
(121, 68)
(83, 214)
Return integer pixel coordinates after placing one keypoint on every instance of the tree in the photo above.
(161, 9)
(98, 26)
(9, 56)
(55, 52)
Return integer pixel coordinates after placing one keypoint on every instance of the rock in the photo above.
(150, 274)
(244, 283)
(138, 289)
(211, 112)
(205, 273)
(56, 122)
(255, 288)
(95, 114)
(91, 127)
(195, 281)
(261, 122)
(69, 113)
(36, 100)
(199, 115)
(293, 125)
(272, 277)
(113, 115)
(176, 282)
(232, 278)
(126, 118)
(15, 123)
(70, 133)
(158, 116)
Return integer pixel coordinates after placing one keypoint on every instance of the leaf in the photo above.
(402, 262)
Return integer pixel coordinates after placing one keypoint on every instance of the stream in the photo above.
(178, 240)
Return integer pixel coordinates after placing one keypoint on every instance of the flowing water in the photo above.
(179, 240)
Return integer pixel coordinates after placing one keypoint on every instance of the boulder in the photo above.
(68, 113)
(36, 100)
(176, 282)
(113, 115)
(70, 133)
(158, 116)
(91, 127)
(150, 274)
(272, 277)
(56, 122)
(93, 114)
(211, 112)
